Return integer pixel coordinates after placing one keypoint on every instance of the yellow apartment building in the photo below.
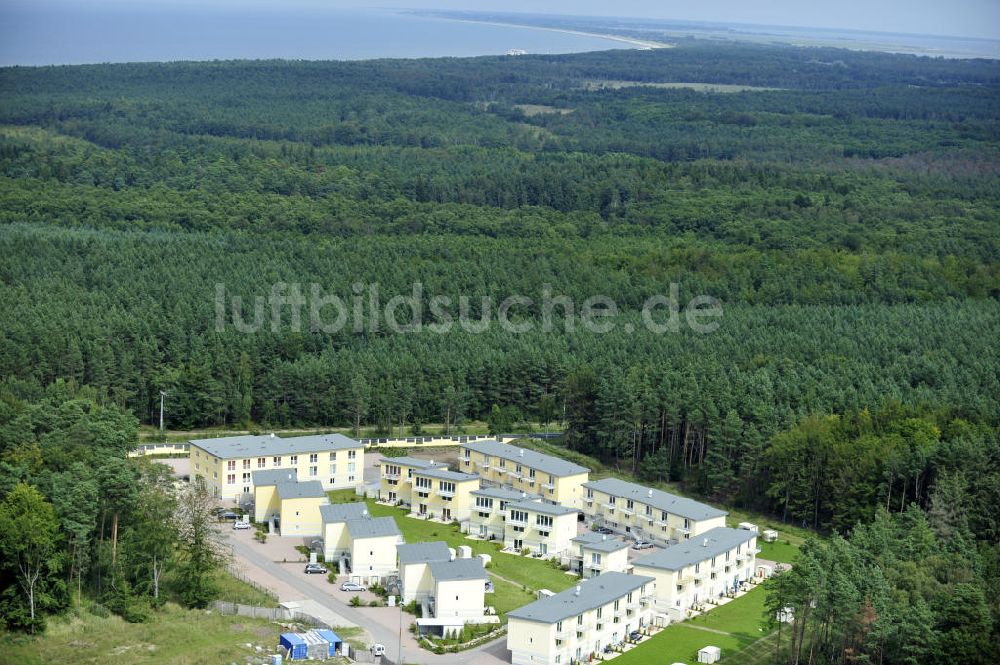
(459, 595)
(292, 506)
(227, 464)
(646, 513)
(705, 567)
(554, 479)
(443, 494)
(576, 624)
(543, 528)
(598, 553)
(488, 517)
(396, 478)
(373, 543)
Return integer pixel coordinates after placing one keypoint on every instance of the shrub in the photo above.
(355, 601)
(374, 603)
(331, 577)
(526, 551)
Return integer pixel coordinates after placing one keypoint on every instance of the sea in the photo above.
(47, 33)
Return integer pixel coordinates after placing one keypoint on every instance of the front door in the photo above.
(518, 545)
(423, 509)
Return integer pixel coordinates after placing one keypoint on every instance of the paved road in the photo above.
(376, 621)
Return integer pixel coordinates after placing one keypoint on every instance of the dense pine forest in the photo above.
(844, 208)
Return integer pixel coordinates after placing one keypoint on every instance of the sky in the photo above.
(966, 18)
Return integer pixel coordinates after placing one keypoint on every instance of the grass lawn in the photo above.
(172, 635)
(237, 591)
(781, 551)
(679, 643)
(507, 597)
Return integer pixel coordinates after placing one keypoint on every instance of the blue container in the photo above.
(296, 646)
(330, 637)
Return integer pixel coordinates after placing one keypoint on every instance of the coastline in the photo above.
(641, 43)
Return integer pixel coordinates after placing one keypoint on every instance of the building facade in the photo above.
(576, 624)
(543, 528)
(442, 494)
(396, 478)
(488, 516)
(336, 539)
(705, 567)
(415, 578)
(646, 513)
(373, 542)
(555, 480)
(226, 464)
(294, 507)
(598, 553)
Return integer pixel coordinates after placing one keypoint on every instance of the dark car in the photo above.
(635, 636)
(228, 515)
(315, 568)
(602, 529)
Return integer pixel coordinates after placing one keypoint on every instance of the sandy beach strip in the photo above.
(642, 43)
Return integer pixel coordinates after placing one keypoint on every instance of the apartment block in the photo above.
(226, 464)
(414, 573)
(488, 517)
(575, 625)
(707, 566)
(647, 513)
(598, 553)
(554, 479)
(543, 528)
(373, 548)
(396, 477)
(336, 540)
(294, 507)
(442, 494)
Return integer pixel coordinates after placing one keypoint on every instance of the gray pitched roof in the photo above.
(423, 552)
(719, 541)
(413, 462)
(543, 508)
(594, 592)
(600, 542)
(271, 444)
(445, 474)
(273, 476)
(505, 494)
(341, 512)
(459, 569)
(308, 489)
(544, 463)
(372, 527)
(658, 499)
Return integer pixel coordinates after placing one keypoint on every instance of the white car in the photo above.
(241, 525)
(352, 586)
(642, 545)
(378, 649)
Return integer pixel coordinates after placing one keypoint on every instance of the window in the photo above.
(313, 458)
(649, 511)
(518, 470)
(629, 504)
(246, 477)
(590, 492)
(351, 467)
(543, 520)
(231, 479)
(595, 558)
(261, 462)
(484, 502)
(314, 471)
(531, 473)
(424, 483)
(503, 463)
(600, 612)
(231, 465)
(663, 516)
(518, 516)
(333, 469)
(333, 456)
(333, 481)
(293, 460)
(687, 523)
(445, 486)
(611, 500)
(276, 461)
(246, 464)
(351, 454)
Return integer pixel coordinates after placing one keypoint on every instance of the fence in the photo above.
(256, 586)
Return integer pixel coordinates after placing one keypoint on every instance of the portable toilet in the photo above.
(331, 638)
(294, 645)
(464, 552)
(770, 535)
(709, 654)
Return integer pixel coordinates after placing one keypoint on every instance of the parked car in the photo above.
(602, 529)
(378, 649)
(228, 515)
(352, 586)
(241, 525)
(642, 545)
(635, 636)
(316, 545)
(608, 648)
(315, 568)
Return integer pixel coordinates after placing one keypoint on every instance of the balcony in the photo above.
(648, 518)
(391, 476)
(485, 466)
(628, 511)
(565, 633)
(550, 486)
(517, 522)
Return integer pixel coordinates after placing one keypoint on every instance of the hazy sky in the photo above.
(970, 18)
